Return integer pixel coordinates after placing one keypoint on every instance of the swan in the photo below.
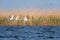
(12, 17)
(25, 19)
(17, 18)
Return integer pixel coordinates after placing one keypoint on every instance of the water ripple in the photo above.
(29, 33)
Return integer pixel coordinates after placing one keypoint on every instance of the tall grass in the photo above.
(3, 21)
(49, 20)
(19, 22)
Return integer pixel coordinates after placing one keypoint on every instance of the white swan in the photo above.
(12, 17)
(17, 18)
(25, 19)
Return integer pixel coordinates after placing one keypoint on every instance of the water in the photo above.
(29, 33)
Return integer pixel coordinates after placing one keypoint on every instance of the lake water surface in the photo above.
(29, 32)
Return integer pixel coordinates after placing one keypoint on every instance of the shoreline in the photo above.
(35, 18)
(30, 26)
(41, 21)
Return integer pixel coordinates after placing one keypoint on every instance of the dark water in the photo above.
(29, 33)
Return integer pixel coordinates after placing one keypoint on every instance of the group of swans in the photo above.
(12, 17)
(25, 19)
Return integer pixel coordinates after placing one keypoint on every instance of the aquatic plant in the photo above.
(19, 22)
(3, 20)
(48, 20)
(33, 21)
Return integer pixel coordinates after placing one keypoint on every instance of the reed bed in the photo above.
(40, 21)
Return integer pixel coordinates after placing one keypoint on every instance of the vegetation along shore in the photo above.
(36, 19)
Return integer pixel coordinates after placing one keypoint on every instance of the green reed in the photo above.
(48, 20)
